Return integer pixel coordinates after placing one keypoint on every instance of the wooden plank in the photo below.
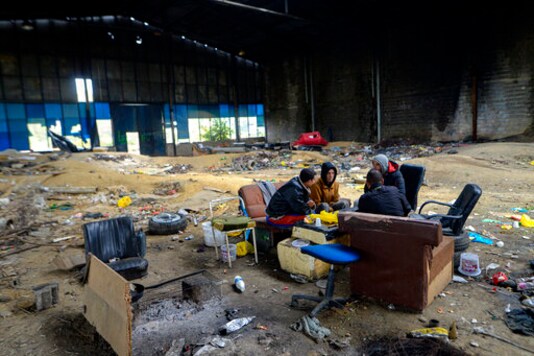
(107, 306)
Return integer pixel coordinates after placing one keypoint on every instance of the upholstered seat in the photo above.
(115, 242)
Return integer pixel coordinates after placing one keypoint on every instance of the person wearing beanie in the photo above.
(292, 202)
(390, 172)
(325, 191)
(382, 199)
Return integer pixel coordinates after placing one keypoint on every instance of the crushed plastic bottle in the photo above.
(239, 283)
(235, 325)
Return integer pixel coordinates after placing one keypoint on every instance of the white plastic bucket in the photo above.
(469, 264)
(233, 252)
(208, 235)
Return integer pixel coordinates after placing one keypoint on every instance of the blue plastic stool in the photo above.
(335, 254)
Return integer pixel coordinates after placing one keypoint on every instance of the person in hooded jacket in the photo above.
(325, 191)
(390, 172)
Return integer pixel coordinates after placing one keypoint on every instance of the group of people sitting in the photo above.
(305, 194)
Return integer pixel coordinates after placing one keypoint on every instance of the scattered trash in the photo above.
(492, 221)
(311, 327)
(235, 325)
(526, 221)
(469, 264)
(231, 313)
(299, 278)
(521, 321)
(476, 237)
(453, 331)
(243, 248)
(499, 277)
(436, 332)
(519, 210)
(124, 202)
(459, 279)
(239, 283)
(525, 285)
(491, 266)
(481, 330)
(499, 244)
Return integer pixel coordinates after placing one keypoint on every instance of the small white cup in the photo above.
(318, 222)
(515, 224)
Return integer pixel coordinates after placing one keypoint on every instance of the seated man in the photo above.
(291, 202)
(382, 199)
(390, 172)
(325, 191)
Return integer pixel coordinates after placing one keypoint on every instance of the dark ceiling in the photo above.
(259, 28)
(263, 28)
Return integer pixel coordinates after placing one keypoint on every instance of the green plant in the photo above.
(219, 131)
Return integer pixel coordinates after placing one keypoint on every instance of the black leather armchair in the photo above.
(414, 176)
(115, 242)
(453, 222)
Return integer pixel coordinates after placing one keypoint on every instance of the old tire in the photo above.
(461, 242)
(167, 224)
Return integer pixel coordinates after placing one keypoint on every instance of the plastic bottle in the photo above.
(235, 324)
(239, 283)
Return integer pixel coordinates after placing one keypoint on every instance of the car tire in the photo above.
(461, 242)
(167, 224)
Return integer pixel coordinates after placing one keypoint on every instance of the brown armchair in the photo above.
(404, 262)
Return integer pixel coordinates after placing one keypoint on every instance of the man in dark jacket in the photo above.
(292, 202)
(390, 172)
(382, 199)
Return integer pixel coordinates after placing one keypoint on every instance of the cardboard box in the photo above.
(314, 234)
(293, 261)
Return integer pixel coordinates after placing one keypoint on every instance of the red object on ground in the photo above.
(499, 277)
(310, 139)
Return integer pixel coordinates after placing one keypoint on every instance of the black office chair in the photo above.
(115, 242)
(414, 176)
(453, 222)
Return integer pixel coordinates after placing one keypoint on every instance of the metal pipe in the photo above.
(306, 99)
(255, 8)
(474, 105)
(312, 97)
(378, 110)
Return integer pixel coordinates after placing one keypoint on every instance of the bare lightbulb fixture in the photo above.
(138, 40)
(27, 25)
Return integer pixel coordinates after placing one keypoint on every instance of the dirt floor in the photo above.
(32, 214)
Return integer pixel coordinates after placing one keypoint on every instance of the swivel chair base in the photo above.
(335, 254)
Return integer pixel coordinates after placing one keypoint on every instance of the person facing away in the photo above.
(325, 191)
(390, 172)
(382, 199)
(292, 202)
